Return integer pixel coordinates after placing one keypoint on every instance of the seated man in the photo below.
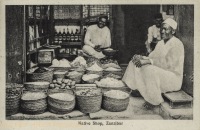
(97, 37)
(161, 71)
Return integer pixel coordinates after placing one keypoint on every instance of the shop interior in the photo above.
(52, 37)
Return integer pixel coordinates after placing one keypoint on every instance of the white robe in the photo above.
(96, 36)
(164, 75)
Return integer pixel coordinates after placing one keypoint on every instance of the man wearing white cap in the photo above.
(161, 71)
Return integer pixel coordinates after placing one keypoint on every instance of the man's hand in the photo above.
(139, 60)
(97, 48)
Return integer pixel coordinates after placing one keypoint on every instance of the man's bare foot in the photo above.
(148, 106)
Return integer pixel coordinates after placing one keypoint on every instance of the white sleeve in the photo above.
(87, 39)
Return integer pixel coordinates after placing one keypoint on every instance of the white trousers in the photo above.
(151, 81)
(91, 51)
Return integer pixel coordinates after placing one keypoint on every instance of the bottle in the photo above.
(79, 36)
(72, 36)
(60, 37)
(64, 36)
(68, 36)
(76, 36)
(56, 37)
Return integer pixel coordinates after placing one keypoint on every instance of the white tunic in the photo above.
(96, 36)
(164, 75)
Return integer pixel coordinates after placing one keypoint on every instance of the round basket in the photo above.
(12, 101)
(60, 68)
(89, 104)
(100, 73)
(76, 78)
(90, 81)
(36, 86)
(124, 89)
(114, 105)
(60, 106)
(119, 73)
(109, 52)
(34, 106)
(37, 77)
(59, 74)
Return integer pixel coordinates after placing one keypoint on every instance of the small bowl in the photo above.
(109, 52)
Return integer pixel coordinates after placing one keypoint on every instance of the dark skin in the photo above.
(167, 33)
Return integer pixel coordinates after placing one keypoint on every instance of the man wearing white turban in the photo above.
(161, 71)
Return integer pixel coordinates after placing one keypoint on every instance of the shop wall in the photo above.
(184, 14)
(14, 43)
(130, 27)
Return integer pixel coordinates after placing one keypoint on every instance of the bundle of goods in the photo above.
(75, 76)
(59, 74)
(61, 103)
(113, 70)
(107, 61)
(115, 100)
(112, 76)
(108, 83)
(95, 69)
(109, 52)
(114, 65)
(36, 86)
(40, 74)
(33, 102)
(80, 69)
(60, 63)
(60, 83)
(79, 61)
(90, 78)
(89, 100)
(13, 95)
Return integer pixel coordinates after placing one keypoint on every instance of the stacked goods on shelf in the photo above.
(36, 86)
(115, 100)
(61, 102)
(33, 102)
(39, 74)
(13, 95)
(89, 100)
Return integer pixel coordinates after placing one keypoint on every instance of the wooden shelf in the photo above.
(67, 21)
(71, 43)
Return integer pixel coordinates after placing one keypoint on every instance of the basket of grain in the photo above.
(95, 69)
(90, 78)
(13, 95)
(59, 74)
(110, 83)
(75, 76)
(89, 100)
(40, 74)
(61, 103)
(115, 100)
(36, 86)
(33, 102)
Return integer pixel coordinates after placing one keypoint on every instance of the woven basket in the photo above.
(12, 102)
(61, 75)
(37, 77)
(124, 89)
(34, 106)
(60, 68)
(119, 73)
(36, 86)
(114, 105)
(60, 106)
(89, 104)
(100, 73)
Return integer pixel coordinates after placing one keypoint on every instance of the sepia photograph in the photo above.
(101, 65)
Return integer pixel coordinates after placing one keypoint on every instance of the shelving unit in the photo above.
(68, 18)
(38, 22)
